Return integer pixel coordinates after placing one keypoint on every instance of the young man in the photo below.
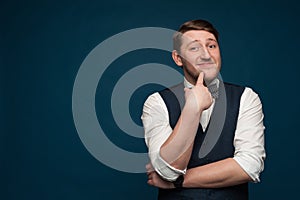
(196, 153)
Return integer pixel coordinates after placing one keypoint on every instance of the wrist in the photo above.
(178, 183)
(192, 110)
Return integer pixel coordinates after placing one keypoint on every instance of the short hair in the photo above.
(198, 24)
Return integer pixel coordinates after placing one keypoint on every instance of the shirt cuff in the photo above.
(249, 168)
(165, 170)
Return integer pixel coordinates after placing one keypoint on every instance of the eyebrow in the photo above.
(208, 39)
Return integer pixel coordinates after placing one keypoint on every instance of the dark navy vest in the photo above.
(222, 148)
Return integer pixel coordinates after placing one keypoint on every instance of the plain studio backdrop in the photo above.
(43, 44)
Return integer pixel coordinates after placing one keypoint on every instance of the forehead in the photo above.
(198, 35)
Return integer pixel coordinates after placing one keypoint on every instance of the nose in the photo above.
(204, 54)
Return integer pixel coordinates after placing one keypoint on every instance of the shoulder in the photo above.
(250, 95)
(159, 98)
(154, 102)
(247, 94)
(250, 100)
(246, 89)
(233, 91)
(154, 108)
(153, 98)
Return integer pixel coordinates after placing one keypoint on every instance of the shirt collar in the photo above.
(213, 87)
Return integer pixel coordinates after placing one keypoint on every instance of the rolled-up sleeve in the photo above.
(249, 136)
(157, 129)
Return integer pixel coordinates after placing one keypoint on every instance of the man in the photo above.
(191, 158)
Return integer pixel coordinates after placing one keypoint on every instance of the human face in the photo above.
(199, 52)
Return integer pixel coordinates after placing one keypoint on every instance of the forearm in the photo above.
(170, 148)
(223, 173)
(177, 149)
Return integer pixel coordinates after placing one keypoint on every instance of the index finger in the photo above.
(200, 79)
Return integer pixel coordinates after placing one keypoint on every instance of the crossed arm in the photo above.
(245, 166)
(223, 173)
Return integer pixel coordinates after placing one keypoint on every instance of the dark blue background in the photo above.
(43, 44)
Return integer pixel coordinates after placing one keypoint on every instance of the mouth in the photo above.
(206, 65)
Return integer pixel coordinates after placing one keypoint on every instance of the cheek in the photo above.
(192, 60)
(189, 56)
(216, 57)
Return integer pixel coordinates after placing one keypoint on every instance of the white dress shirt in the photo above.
(248, 141)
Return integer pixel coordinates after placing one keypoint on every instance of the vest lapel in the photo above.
(216, 123)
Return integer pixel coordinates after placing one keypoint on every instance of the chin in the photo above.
(209, 76)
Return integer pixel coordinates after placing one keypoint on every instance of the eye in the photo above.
(195, 48)
(212, 45)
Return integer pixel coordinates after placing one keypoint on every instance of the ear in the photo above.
(176, 57)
